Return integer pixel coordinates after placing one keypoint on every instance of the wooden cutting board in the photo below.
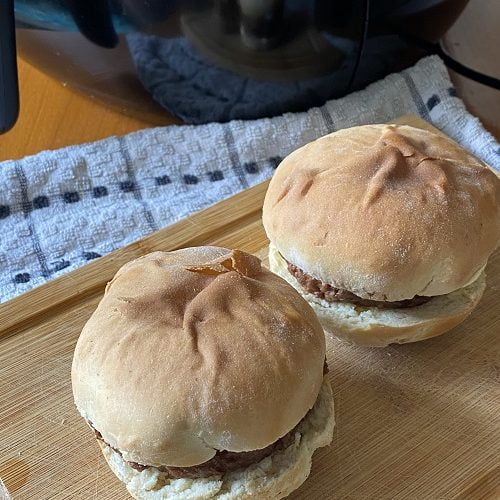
(418, 421)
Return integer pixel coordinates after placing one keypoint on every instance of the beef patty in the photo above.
(332, 294)
(223, 461)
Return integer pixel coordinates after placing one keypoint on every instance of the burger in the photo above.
(202, 375)
(385, 230)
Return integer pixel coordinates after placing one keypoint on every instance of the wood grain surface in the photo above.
(417, 421)
(53, 116)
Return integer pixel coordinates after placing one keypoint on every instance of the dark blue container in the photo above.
(217, 60)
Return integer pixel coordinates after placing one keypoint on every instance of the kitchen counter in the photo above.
(53, 116)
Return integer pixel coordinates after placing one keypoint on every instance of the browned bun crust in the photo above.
(386, 212)
(195, 351)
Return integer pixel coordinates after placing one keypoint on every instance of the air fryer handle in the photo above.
(95, 21)
(9, 92)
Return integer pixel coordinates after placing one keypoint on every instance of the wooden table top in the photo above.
(53, 116)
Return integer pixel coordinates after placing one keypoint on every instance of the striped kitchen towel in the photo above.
(60, 209)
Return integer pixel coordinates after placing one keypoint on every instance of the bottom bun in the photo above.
(276, 476)
(370, 326)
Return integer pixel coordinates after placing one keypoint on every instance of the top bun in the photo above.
(384, 211)
(194, 351)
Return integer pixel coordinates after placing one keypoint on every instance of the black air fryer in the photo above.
(216, 60)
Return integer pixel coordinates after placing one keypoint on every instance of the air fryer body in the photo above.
(217, 60)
